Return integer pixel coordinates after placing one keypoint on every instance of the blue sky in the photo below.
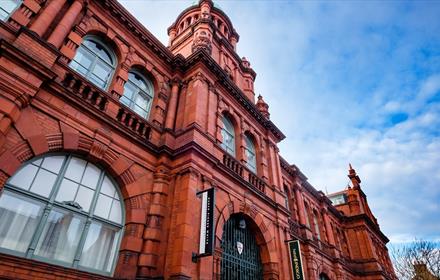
(347, 81)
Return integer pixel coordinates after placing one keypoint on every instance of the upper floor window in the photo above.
(95, 61)
(228, 135)
(7, 7)
(138, 94)
(315, 221)
(64, 210)
(251, 159)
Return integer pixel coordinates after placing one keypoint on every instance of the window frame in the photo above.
(95, 60)
(49, 204)
(250, 142)
(139, 92)
(19, 3)
(230, 150)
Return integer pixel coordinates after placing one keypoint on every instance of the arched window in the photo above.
(306, 211)
(251, 159)
(322, 276)
(63, 210)
(7, 7)
(138, 94)
(228, 135)
(315, 221)
(94, 61)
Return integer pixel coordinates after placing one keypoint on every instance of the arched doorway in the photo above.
(240, 252)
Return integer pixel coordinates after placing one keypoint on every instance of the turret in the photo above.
(205, 27)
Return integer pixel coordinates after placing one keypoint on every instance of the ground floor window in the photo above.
(64, 210)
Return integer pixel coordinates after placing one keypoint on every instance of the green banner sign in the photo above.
(295, 259)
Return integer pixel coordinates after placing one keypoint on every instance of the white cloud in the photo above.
(334, 73)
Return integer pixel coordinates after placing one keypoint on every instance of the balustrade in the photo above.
(85, 91)
(134, 122)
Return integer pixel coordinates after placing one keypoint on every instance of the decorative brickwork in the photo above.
(162, 161)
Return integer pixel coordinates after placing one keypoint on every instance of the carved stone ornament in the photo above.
(202, 41)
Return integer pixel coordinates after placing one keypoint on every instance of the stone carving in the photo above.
(202, 40)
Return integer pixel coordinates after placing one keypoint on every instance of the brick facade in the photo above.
(160, 163)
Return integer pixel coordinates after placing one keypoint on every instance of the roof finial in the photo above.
(263, 107)
(355, 180)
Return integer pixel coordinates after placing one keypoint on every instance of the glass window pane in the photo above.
(53, 163)
(124, 100)
(107, 187)
(84, 198)
(91, 176)
(75, 169)
(67, 191)
(99, 247)
(103, 206)
(23, 178)
(6, 8)
(115, 213)
(102, 71)
(82, 61)
(19, 218)
(60, 236)
(141, 101)
(43, 183)
(37, 161)
(129, 89)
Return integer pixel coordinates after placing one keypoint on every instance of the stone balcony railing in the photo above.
(84, 90)
(238, 168)
(104, 102)
(137, 124)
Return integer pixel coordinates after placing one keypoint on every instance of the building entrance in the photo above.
(240, 252)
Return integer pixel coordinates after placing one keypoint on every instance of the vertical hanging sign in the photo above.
(206, 246)
(295, 259)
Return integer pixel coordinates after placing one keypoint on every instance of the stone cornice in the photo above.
(132, 24)
(370, 224)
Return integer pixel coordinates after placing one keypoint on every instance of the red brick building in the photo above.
(106, 136)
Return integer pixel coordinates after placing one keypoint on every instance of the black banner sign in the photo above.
(206, 246)
(295, 259)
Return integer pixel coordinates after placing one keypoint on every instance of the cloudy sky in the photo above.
(347, 82)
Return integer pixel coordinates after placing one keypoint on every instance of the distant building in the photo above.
(107, 136)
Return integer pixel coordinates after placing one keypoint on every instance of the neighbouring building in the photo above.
(107, 136)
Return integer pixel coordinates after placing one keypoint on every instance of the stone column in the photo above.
(66, 23)
(45, 18)
(154, 231)
(300, 206)
(172, 106)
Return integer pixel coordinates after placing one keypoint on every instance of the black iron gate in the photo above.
(241, 255)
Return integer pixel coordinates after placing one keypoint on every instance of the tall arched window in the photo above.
(228, 135)
(315, 221)
(63, 210)
(95, 61)
(251, 159)
(7, 7)
(138, 93)
(322, 276)
(306, 211)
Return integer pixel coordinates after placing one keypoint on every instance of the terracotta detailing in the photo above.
(328, 229)
(63, 28)
(172, 106)
(300, 205)
(154, 226)
(46, 17)
(263, 107)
